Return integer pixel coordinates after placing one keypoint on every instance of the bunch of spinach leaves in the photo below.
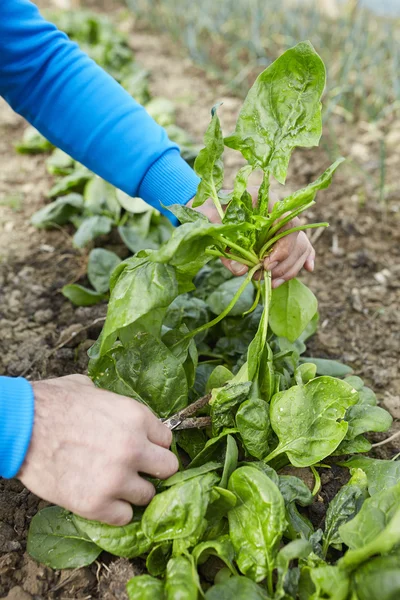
(181, 330)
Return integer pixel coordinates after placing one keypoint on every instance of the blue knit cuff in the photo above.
(16, 423)
(169, 181)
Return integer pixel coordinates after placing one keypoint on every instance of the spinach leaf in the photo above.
(281, 112)
(179, 511)
(231, 460)
(240, 588)
(381, 474)
(324, 582)
(55, 541)
(101, 264)
(58, 212)
(182, 580)
(100, 198)
(252, 422)
(185, 214)
(218, 378)
(128, 541)
(378, 578)
(257, 522)
(344, 507)
(192, 441)
(190, 473)
(33, 142)
(221, 547)
(215, 449)
(307, 419)
(208, 164)
(82, 296)
(73, 182)
(374, 530)
(359, 444)
(186, 310)
(363, 418)
(145, 587)
(293, 550)
(293, 306)
(91, 228)
(294, 490)
(325, 366)
(157, 559)
(224, 402)
(221, 297)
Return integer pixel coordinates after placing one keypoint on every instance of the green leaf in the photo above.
(294, 550)
(364, 418)
(221, 547)
(182, 580)
(375, 529)
(145, 587)
(33, 142)
(55, 541)
(128, 541)
(221, 297)
(257, 522)
(73, 182)
(231, 460)
(378, 578)
(215, 449)
(252, 421)
(91, 228)
(224, 402)
(344, 507)
(208, 164)
(186, 310)
(82, 296)
(325, 366)
(327, 582)
(157, 559)
(58, 212)
(190, 473)
(359, 444)
(59, 163)
(185, 214)
(293, 306)
(240, 588)
(218, 378)
(308, 419)
(381, 474)
(101, 264)
(135, 205)
(178, 512)
(295, 491)
(100, 197)
(281, 111)
(305, 195)
(147, 369)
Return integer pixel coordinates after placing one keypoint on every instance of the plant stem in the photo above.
(239, 259)
(270, 583)
(289, 217)
(215, 199)
(255, 303)
(272, 241)
(230, 305)
(251, 256)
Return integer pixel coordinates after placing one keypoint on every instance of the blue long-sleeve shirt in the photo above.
(48, 80)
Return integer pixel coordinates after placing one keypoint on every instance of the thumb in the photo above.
(234, 267)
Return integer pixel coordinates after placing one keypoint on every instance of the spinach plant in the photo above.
(220, 361)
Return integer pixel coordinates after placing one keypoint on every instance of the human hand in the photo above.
(89, 448)
(289, 256)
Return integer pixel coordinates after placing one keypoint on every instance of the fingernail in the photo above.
(312, 264)
(271, 266)
(237, 268)
(277, 283)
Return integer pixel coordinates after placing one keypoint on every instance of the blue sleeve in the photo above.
(16, 421)
(48, 80)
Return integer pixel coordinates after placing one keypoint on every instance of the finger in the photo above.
(292, 272)
(310, 262)
(81, 379)
(285, 266)
(158, 433)
(234, 267)
(116, 512)
(138, 491)
(283, 248)
(157, 462)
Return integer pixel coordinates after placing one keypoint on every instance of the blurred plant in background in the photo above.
(237, 39)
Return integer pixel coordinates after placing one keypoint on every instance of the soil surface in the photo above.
(357, 282)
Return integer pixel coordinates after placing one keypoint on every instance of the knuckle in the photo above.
(144, 494)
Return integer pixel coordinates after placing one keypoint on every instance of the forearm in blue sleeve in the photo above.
(81, 109)
(16, 422)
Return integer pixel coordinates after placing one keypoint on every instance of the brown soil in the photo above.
(357, 282)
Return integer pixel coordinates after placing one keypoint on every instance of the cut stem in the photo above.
(273, 240)
(289, 217)
(251, 256)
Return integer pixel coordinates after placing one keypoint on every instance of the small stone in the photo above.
(8, 542)
(392, 405)
(43, 316)
(17, 593)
